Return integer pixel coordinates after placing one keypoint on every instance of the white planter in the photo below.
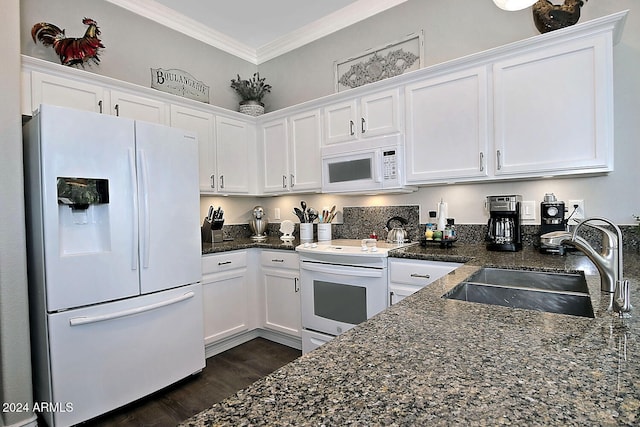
(251, 108)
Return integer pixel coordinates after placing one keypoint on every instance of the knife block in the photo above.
(212, 232)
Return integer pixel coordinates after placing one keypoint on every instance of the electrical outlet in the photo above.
(528, 211)
(578, 205)
(276, 213)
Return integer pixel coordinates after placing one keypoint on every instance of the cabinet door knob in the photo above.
(499, 158)
(481, 161)
(224, 262)
(213, 181)
(292, 180)
(362, 122)
(391, 298)
(100, 106)
(117, 108)
(296, 284)
(422, 276)
(284, 181)
(221, 181)
(351, 128)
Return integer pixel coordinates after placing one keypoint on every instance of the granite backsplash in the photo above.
(360, 222)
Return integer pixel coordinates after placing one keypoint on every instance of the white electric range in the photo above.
(342, 283)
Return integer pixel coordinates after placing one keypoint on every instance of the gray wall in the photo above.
(134, 45)
(15, 366)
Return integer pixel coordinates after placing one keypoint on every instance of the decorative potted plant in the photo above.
(251, 91)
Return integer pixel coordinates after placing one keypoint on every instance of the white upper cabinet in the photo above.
(275, 154)
(447, 127)
(233, 139)
(291, 153)
(368, 116)
(223, 146)
(203, 124)
(71, 93)
(305, 164)
(63, 92)
(136, 107)
(552, 109)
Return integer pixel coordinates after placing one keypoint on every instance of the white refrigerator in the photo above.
(114, 260)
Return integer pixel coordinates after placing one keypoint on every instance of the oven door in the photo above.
(335, 298)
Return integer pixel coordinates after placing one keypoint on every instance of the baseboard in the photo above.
(236, 340)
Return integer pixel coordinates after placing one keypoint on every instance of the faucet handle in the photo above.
(622, 299)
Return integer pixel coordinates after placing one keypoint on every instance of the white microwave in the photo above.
(366, 167)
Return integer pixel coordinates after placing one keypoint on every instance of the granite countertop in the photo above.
(433, 361)
(270, 242)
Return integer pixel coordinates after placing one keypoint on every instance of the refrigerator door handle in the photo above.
(146, 237)
(83, 320)
(134, 234)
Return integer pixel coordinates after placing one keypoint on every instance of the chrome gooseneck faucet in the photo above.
(608, 262)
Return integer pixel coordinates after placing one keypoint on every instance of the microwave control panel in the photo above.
(390, 165)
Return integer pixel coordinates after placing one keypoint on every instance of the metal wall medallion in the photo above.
(380, 63)
(178, 82)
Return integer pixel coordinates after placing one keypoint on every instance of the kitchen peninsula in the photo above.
(432, 361)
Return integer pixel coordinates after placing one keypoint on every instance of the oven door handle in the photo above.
(342, 270)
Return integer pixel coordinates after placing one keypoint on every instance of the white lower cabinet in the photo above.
(281, 290)
(407, 277)
(226, 295)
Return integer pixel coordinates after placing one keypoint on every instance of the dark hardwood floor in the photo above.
(224, 374)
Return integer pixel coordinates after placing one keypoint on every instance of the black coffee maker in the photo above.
(503, 228)
(552, 219)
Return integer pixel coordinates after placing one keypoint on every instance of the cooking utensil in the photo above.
(299, 214)
(312, 214)
(304, 210)
(397, 234)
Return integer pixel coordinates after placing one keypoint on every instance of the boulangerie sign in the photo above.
(178, 82)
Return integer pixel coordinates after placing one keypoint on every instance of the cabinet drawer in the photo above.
(279, 259)
(419, 273)
(224, 261)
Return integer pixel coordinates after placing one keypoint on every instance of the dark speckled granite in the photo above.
(432, 361)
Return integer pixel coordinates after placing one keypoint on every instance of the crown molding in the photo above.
(349, 15)
(355, 12)
(176, 21)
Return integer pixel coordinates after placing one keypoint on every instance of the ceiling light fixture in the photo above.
(512, 5)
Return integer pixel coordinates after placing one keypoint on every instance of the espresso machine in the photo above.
(552, 219)
(503, 228)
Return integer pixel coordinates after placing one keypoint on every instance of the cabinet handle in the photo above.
(284, 181)
(224, 262)
(391, 298)
(296, 284)
(362, 122)
(221, 182)
(213, 181)
(481, 161)
(498, 156)
(292, 180)
(351, 128)
(117, 108)
(422, 276)
(100, 106)
(277, 260)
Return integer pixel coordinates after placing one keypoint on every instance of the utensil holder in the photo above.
(306, 232)
(324, 231)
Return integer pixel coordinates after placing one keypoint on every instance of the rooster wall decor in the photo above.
(72, 51)
(548, 16)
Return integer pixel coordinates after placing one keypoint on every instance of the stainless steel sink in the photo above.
(563, 293)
